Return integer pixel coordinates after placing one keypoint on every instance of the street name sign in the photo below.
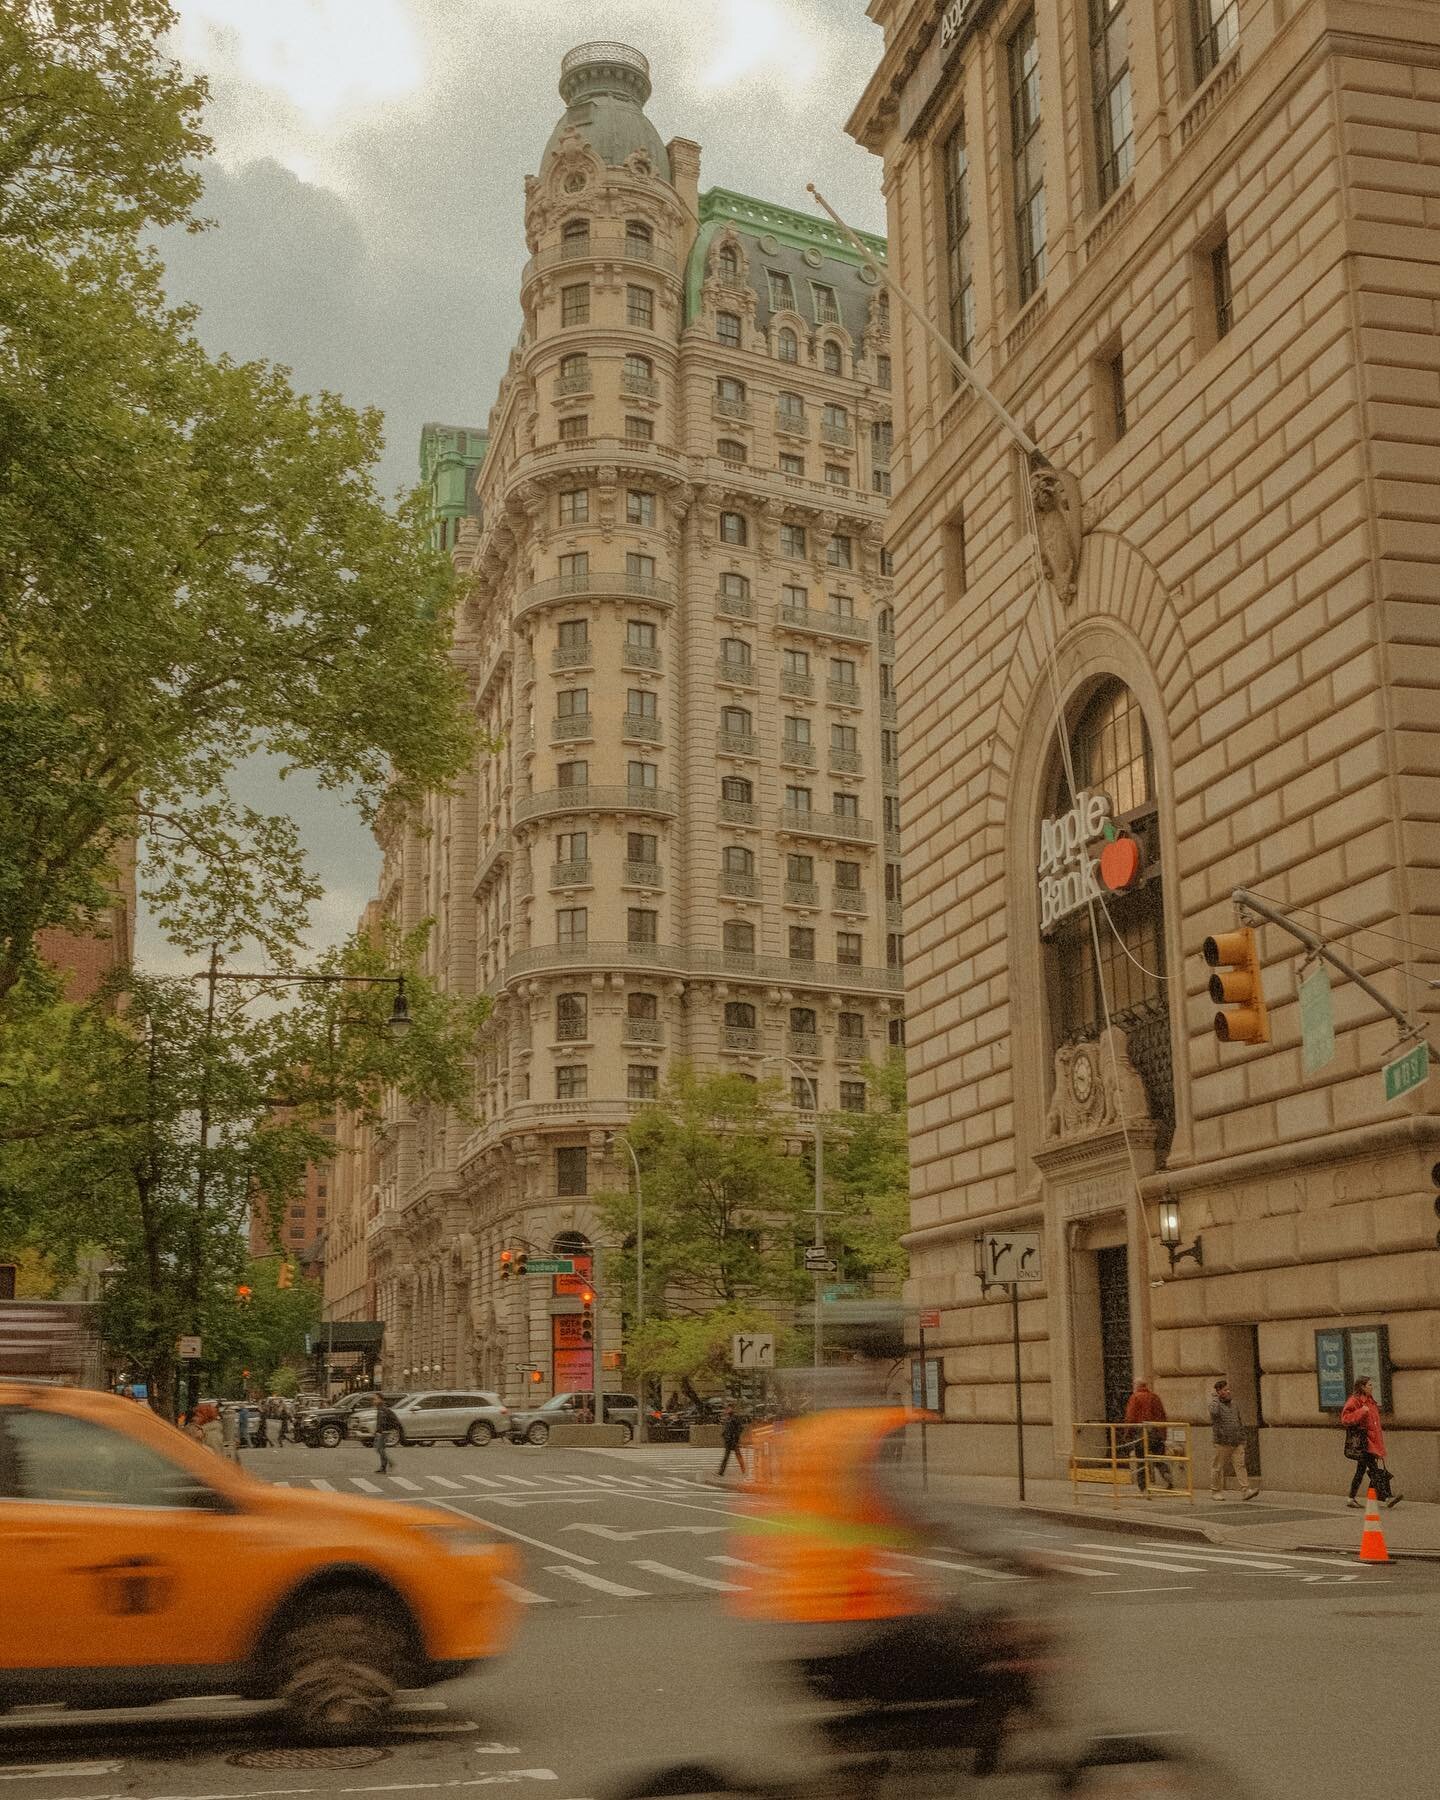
(752, 1350)
(1317, 1020)
(1012, 1256)
(550, 1265)
(1407, 1072)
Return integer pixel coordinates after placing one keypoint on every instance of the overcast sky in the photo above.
(368, 192)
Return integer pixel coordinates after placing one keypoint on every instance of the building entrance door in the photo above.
(1113, 1269)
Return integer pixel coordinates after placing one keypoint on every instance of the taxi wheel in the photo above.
(340, 1667)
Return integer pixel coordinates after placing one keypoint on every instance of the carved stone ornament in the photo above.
(1096, 1087)
(1058, 526)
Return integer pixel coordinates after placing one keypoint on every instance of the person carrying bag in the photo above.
(1365, 1446)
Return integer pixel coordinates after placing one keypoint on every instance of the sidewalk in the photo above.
(1277, 1520)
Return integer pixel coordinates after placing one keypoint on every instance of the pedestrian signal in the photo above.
(1239, 985)
(536, 1375)
(507, 1264)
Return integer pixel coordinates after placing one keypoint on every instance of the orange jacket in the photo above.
(824, 1536)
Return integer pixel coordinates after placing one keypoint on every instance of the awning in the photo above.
(345, 1334)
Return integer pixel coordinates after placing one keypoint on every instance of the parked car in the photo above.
(330, 1425)
(140, 1566)
(532, 1425)
(473, 1417)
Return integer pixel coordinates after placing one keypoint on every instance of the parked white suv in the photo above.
(472, 1416)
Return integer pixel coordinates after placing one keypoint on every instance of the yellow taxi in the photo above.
(139, 1565)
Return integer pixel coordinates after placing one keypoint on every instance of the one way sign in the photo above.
(1012, 1256)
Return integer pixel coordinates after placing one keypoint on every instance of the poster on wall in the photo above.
(577, 1283)
(1370, 1356)
(1330, 1369)
(566, 1331)
(1346, 1353)
(574, 1371)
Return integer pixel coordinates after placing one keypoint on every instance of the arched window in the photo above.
(570, 1243)
(739, 1015)
(830, 358)
(638, 368)
(728, 263)
(735, 859)
(1111, 756)
(736, 719)
(731, 450)
(735, 652)
(737, 789)
(639, 238)
(787, 346)
(727, 329)
(575, 237)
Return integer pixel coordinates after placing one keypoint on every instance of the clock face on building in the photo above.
(1082, 1076)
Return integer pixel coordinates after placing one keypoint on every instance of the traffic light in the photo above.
(285, 1275)
(522, 1257)
(536, 1375)
(242, 1294)
(1238, 984)
(507, 1264)
(587, 1317)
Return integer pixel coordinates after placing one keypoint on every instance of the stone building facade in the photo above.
(1192, 246)
(678, 634)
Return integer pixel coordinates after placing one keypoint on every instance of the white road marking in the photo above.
(496, 1749)
(328, 1486)
(1057, 1568)
(524, 1500)
(628, 1537)
(505, 1531)
(1184, 1588)
(366, 1487)
(1252, 1560)
(705, 1581)
(52, 1771)
(934, 1562)
(444, 1481)
(521, 1481)
(482, 1481)
(1132, 1562)
(737, 1562)
(411, 1487)
(523, 1595)
(597, 1582)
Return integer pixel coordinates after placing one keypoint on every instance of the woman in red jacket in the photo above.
(1360, 1409)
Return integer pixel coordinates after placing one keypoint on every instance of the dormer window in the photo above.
(575, 237)
(831, 360)
(827, 312)
(728, 263)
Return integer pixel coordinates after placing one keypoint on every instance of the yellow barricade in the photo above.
(1157, 1460)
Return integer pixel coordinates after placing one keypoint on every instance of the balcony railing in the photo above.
(791, 424)
(641, 1031)
(892, 839)
(595, 799)
(808, 823)
(738, 674)
(802, 893)
(641, 725)
(839, 435)
(740, 1037)
(802, 687)
(843, 693)
(796, 754)
(742, 964)
(825, 624)
(803, 1043)
(595, 248)
(571, 874)
(851, 1049)
(737, 743)
(598, 956)
(894, 913)
(735, 606)
(738, 886)
(595, 583)
(644, 385)
(573, 656)
(725, 408)
(739, 812)
(844, 762)
(849, 900)
(888, 709)
(638, 656)
(582, 382)
(885, 639)
(643, 874)
(574, 725)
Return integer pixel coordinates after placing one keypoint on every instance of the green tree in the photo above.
(867, 1180)
(195, 562)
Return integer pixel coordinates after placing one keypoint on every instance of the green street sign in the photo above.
(1407, 1072)
(1317, 1020)
(550, 1265)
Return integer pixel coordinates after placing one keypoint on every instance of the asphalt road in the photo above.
(1305, 1675)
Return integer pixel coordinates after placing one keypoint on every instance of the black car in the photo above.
(328, 1426)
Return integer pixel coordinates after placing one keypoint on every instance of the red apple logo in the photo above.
(1119, 860)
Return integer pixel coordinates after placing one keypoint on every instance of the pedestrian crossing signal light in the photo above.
(1238, 984)
(507, 1264)
(535, 1375)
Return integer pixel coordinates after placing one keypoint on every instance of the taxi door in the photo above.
(116, 1559)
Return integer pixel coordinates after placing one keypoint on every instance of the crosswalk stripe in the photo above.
(328, 1486)
(366, 1487)
(520, 1480)
(736, 1562)
(482, 1481)
(1133, 1562)
(1240, 1560)
(523, 1595)
(586, 1579)
(934, 1562)
(400, 1481)
(705, 1581)
(444, 1481)
(1078, 1569)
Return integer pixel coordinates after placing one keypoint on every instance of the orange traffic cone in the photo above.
(1372, 1538)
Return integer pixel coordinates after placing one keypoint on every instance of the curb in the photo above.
(1211, 1534)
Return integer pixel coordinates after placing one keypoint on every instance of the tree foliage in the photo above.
(195, 562)
(867, 1179)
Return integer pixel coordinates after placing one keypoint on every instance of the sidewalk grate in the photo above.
(319, 1756)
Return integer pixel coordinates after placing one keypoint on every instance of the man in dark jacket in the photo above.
(1229, 1444)
(732, 1429)
(1146, 1408)
(385, 1423)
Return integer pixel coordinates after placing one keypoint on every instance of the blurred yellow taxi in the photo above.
(139, 1565)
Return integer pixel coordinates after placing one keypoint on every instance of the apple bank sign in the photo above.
(1067, 871)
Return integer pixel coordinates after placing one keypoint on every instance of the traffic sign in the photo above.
(187, 1348)
(550, 1265)
(818, 1261)
(1317, 1020)
(752, 1350)
(1012, 1256)
(930, 1319)
(1407, 1072)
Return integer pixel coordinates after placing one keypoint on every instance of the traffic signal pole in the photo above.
(1262, 909)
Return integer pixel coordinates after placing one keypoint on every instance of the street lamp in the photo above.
(398, 1024)
(1170, 1234)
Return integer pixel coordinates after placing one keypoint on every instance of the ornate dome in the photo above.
(605, 87)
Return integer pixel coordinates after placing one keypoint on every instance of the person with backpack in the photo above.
(1365, 1446)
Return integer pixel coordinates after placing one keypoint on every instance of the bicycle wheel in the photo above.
(1126, 1768)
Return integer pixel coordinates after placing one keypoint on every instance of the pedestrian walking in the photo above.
(1228, 1456)
(242, 1427)
(1146, 1409)
(287, 1420)
(732, 1429)
(385, 1423)
(1365, 1446)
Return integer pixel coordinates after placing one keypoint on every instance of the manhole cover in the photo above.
(341, 1756)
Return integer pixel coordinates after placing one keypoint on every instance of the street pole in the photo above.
(924, 1409)
(819, 1211)
(642, 1434)
(1019, 1396)
(597, 1310)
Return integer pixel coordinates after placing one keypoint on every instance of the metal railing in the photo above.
(580, 383)
(641, 1031)
(802, 687)
(845, 762)
(739, 812)
(849, 900)
(573, 725)
(742, 674)
(802, 893)
(810, 823)
(643, 874)
(851, 1049)
(570, 874)
(627, 582)
(1149, 1456)
(735, 606)
(595, 799)
(825, 624)
(726, 408)
(641, 725)
(740, 1037)
(737, 743)
(573, 656)
(839, 435)
(637, 656)
(645, 385)
(843, 693)
(793, 424)
(798, 755)
(803, 1043)
(741, 887)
